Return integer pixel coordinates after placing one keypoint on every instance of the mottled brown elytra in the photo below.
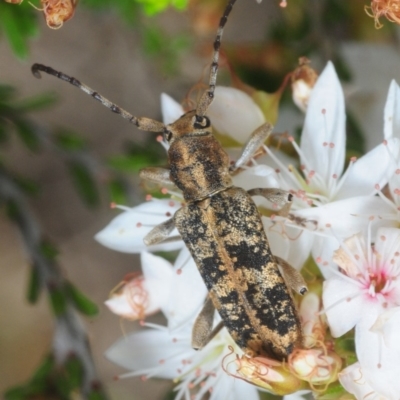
(222, 228)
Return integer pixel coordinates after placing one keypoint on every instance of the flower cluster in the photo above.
(343, 218)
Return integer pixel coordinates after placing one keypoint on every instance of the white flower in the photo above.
(368, 285)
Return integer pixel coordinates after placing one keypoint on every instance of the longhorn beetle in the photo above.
(221, 227)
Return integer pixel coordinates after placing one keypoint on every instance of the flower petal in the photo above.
(354, 381)
(126, 231)
(391, 124)
(187, 295)
(158, 274)
(380, 363)
(234, 113)
(361, 179)
(289, 243)
(342, 304)
(346, 217)
(171, 109)
(324, 138)
(151, 351)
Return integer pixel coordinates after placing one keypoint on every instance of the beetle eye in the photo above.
(201, 122)
(167, 135)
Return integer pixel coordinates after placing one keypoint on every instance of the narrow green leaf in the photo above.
(27, 185)
(129, 163)
(44, 369)
(34, 286)
(117, 191)
(15, 393)
(8, 21)
(36, 103)
(97, 394)
(26, 132)
(7, 92)
(81, 302)
(4, 136)
(84, 183)
(49, 251)
(70, 141)
(75, 371)
(58, 300)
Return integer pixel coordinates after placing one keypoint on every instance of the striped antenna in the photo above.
(208, 96)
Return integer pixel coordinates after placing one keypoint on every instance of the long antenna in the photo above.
(208, 96)
(145, 124)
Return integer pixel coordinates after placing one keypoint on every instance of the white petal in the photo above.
(387, 244)
(391, 124)
(346, 217)
(388, 325)
(126, 231)
(289, 243)
(234, 113)
(323, 139)
(342, 304)
(229, 388)
(171, 109)
(379, 362)
(188, 292)
(158, 274)
(151, 350)
(362, 179)
(354, 381)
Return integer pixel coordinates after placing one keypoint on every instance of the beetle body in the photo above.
(223, 231)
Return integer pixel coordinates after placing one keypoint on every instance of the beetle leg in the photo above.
(292, 277)
(157, 175)
(160, 232)
(255, 141)
(279, 197)
(202, 331)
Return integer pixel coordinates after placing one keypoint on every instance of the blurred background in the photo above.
(66, 157)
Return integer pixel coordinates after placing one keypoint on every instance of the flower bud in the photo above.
(303, 80)
(269, 374)
(313, 323)
(315, 366)
(131, 300)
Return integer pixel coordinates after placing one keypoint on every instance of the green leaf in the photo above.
(18, 22)
(97, 394)
(49, 251)
(70, 141)
(27, 133)
(75, 371)
(7, 92)
(84, 183)
(36, 103)
(27, 185)
(58, 300)
(117, 190)
(15, 393)
(34, 286)
(129, 163)
(4, 136)
(81, 302)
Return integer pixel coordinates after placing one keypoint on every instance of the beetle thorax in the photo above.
(199, 166)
